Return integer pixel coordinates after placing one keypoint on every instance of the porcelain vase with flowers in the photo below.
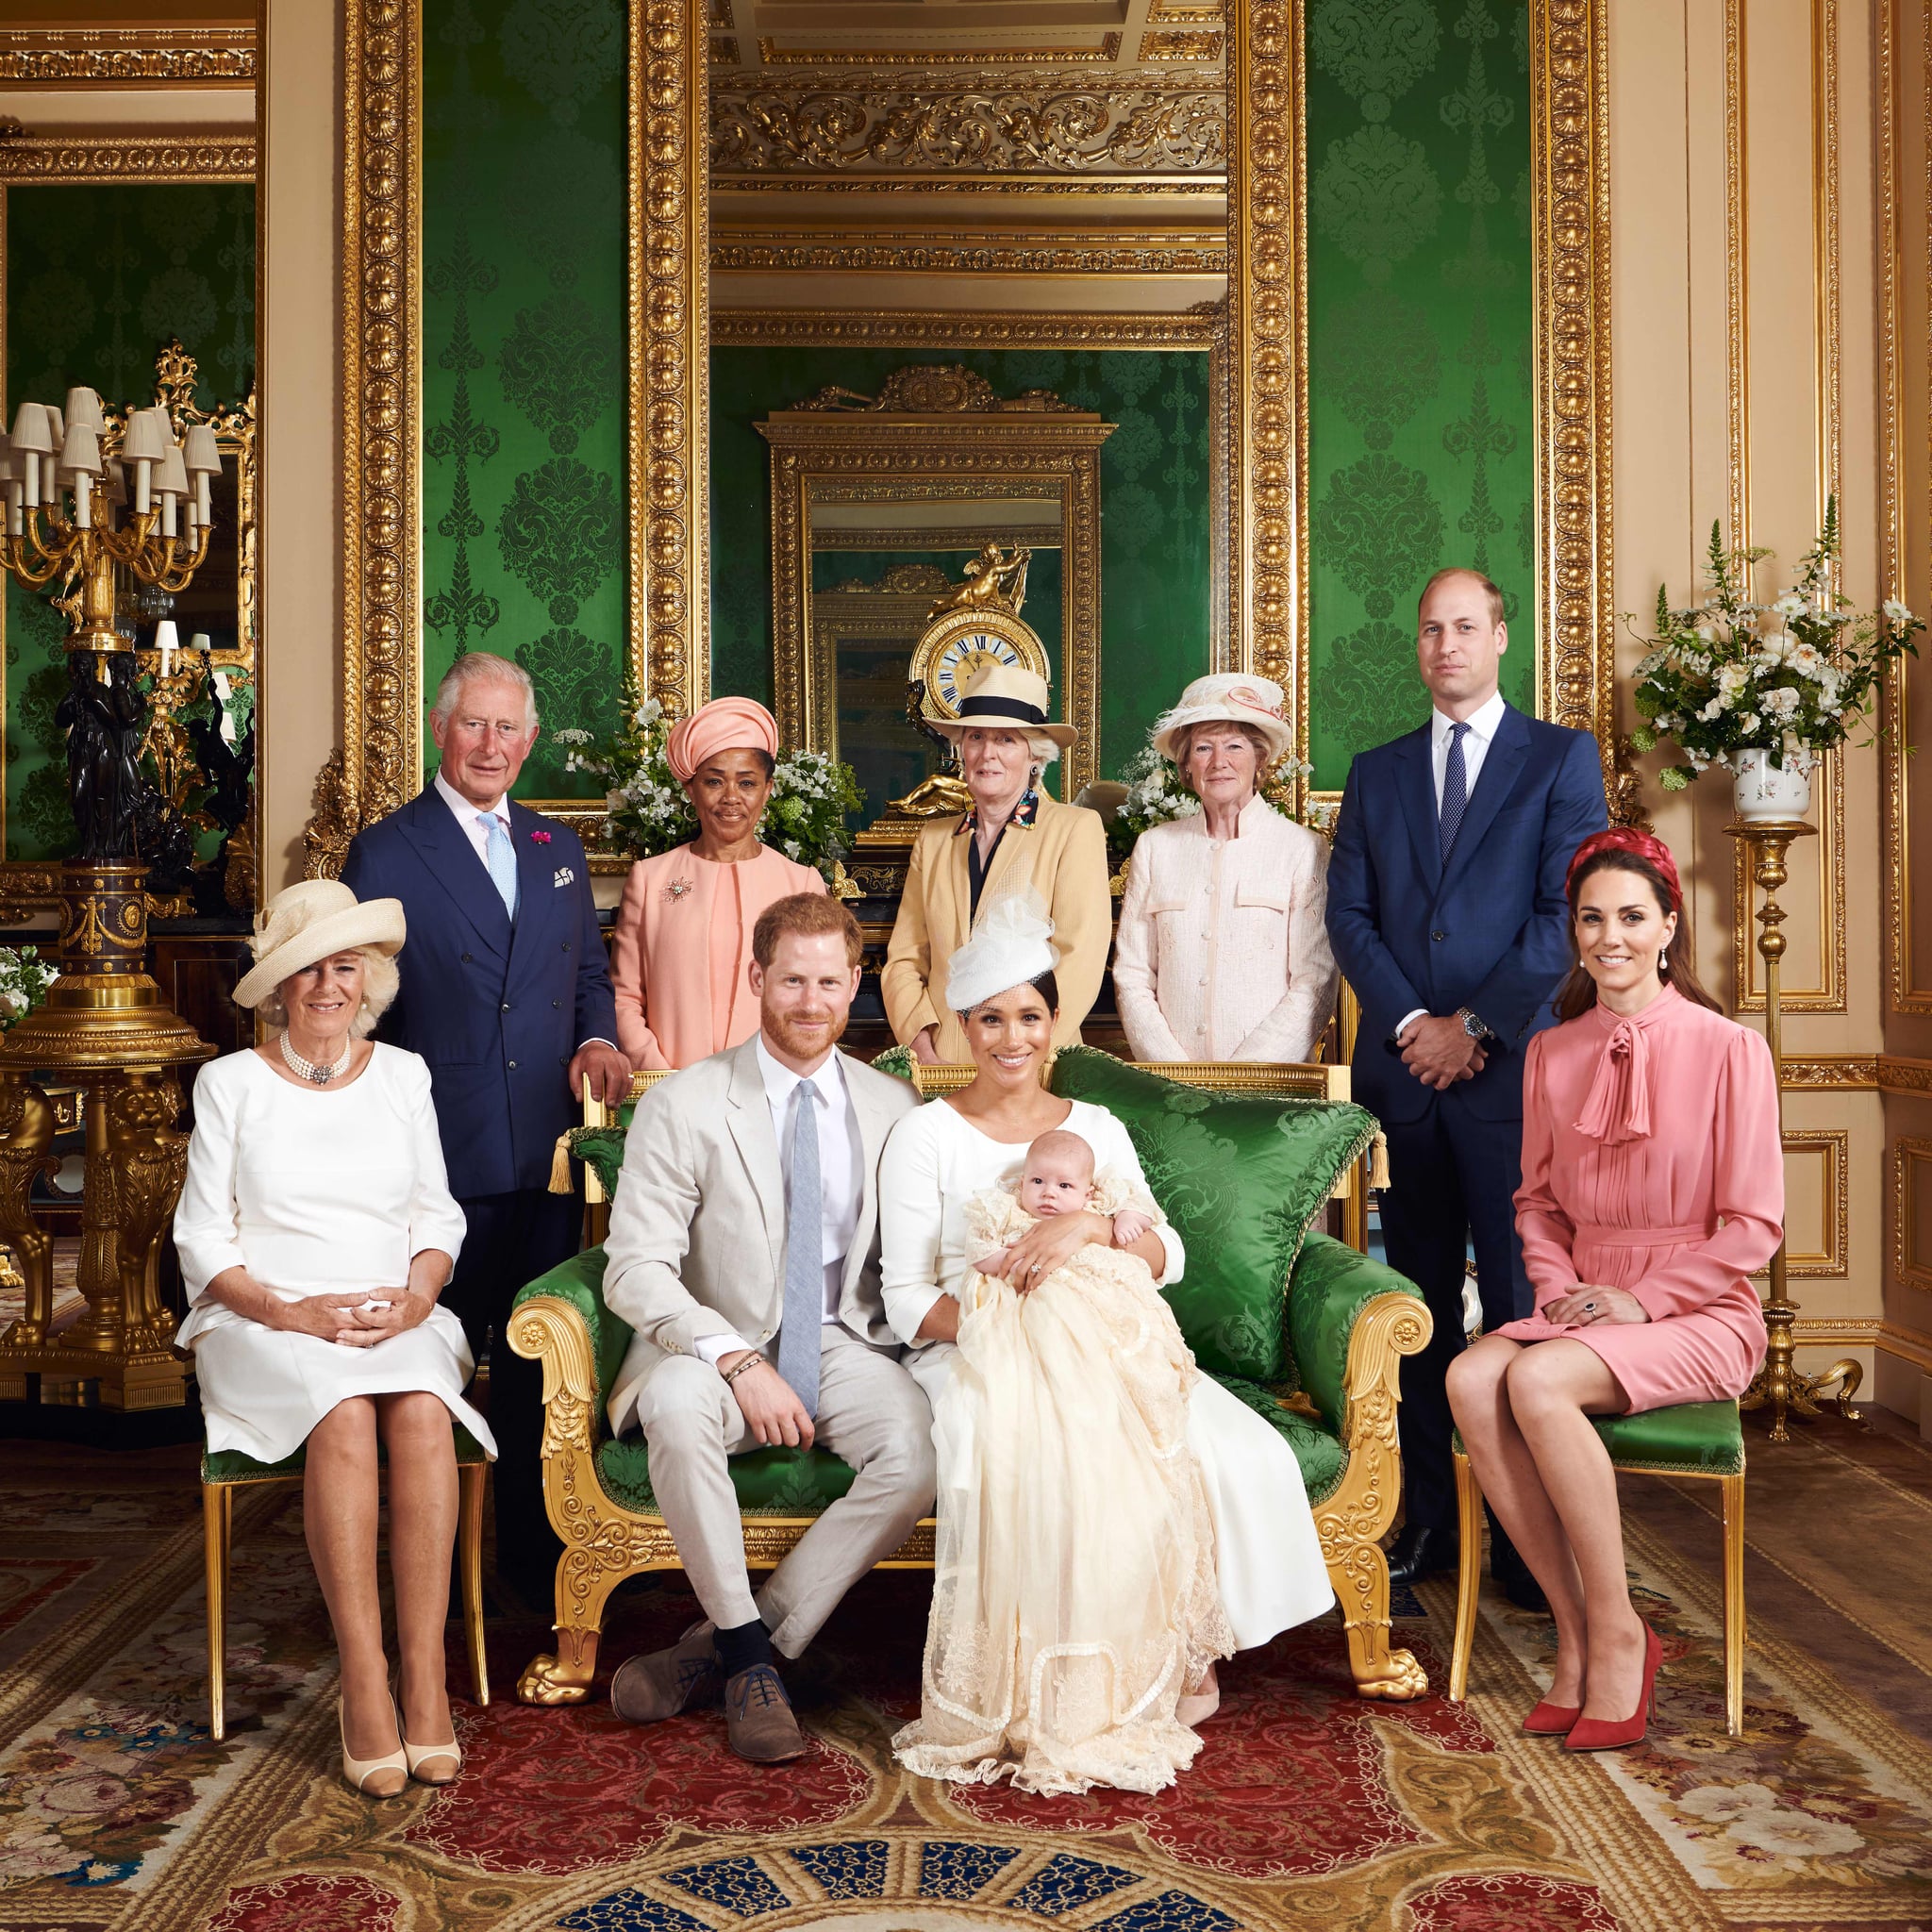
(1763, 688)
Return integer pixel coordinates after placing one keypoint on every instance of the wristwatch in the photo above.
(1472, 1024)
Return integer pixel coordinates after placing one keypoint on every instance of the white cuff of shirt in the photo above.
(1171, 1244)
(910, 1308)
(1408, 1019)
(711, 1349)
(597, 1040)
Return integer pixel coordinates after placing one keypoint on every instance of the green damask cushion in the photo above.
(601, 1149)
(896, 1061)
(1316, 1447)
(769, 1482)
(1332, 1284)
(1241, 1177)
(1696, 1438)
(231, 1466)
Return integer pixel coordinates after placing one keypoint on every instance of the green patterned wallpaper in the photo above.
(1153, 559)
(1419, 319)
(524, 525)
(98, 278)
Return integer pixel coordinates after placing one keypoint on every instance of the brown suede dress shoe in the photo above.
(664, 1682)
(757, 1716)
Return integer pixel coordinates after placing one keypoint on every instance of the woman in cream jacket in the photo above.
(1014, 838)
(1222, 951)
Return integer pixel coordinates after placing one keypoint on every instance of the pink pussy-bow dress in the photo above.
(1651, 1163)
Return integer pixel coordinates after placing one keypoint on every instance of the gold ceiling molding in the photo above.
(1006, 130)
(96, 57)
(749, 328)
(173, 158)
(1181, 44)
(773, 55)
(1074, 195)
(952, 251)
(669, 391)
(1183, 12)
(1570, 179)
(1834, 1072)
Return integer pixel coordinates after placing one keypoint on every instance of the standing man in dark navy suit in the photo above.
(507, 994)
(1446, 912)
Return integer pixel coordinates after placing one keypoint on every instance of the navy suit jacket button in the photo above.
(512, 1066)
(1439, 937)
(556, 1006)
(505, 1006)
(468, 959)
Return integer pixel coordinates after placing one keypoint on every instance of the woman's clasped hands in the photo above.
(355, 1320)
(1049, 1243)
(1592, 1303)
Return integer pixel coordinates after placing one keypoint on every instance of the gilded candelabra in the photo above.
(87, 499)
(1779, 1384)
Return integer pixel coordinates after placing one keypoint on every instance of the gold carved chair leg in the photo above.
(469, 1482)
(1352, 1522)
(1732, 1488)
(217, 1532)
(26, 1139)
(1469, 1574)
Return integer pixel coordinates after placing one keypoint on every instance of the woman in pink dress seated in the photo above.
(1653, 1187)
(682, 943)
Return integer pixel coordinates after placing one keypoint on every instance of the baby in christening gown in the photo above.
(1075, 1603)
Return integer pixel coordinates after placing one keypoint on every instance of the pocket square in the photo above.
(564, 875)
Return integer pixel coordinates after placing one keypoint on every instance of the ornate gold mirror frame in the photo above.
(1267, 360)
(380, 763)
(31, 886)
(822, 455)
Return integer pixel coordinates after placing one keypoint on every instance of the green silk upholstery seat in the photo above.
(1692, 1439)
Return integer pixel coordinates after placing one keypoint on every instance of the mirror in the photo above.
(878, 506)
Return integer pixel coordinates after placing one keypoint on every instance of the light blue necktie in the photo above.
(1454, 789)
(799, 1336)
(501, 862)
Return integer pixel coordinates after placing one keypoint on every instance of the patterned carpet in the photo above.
(1308, 1807)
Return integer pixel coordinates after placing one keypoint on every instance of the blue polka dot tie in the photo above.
(1455, 790)
(501, 862)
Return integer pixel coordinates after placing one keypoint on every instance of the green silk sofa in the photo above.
(1333, 1342)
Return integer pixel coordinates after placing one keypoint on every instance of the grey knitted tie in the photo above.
(1454, 789)
(799, 1334)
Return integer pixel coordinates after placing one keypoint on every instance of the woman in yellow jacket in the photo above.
(1013, 838)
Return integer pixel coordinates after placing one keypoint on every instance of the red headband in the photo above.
(1627, 840)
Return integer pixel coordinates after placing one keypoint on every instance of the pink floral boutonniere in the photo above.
(540, 838)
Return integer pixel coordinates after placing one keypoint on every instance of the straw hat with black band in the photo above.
(1006, 698)
(311, 922)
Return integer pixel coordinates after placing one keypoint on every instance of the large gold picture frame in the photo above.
(1261, 369)
(29, 886)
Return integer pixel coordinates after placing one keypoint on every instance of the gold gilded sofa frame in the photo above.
(604, 1542)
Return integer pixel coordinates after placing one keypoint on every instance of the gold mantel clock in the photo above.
(958, 645)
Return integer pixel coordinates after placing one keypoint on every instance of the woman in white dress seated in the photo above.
(316, 1231)
(1222, 948)
(1039, 1569)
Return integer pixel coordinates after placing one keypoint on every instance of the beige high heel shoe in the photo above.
(419, 1756)
(357, 1772)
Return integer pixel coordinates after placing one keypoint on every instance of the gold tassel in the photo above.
(560, 1166)
(1378, 1161)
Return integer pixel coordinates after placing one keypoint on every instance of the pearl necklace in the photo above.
(321, 1071)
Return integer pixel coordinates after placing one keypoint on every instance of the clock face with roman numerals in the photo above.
(960, 645)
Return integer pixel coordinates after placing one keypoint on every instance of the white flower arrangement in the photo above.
(1793, 676)
(24, 977)
(649, 812)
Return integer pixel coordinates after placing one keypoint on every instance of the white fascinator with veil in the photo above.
(1011, 944)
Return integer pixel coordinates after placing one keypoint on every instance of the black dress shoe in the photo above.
(1512, 1577)
(1421, 1550)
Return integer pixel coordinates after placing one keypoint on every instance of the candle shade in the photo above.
(31, 430)
(144, 440)
(80, 453)
(167, 635)
(201, 641)
(200, 451)
(174, 477)
(84, 410)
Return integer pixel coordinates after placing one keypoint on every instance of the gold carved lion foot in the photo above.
(1395, 1678)
(549, 1680)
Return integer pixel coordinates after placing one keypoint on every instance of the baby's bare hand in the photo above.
(1129, 1225)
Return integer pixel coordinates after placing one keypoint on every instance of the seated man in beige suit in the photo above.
(745, 1252)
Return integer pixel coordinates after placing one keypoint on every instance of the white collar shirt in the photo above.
(474, 818)
(1482, 725)
(842, 1156)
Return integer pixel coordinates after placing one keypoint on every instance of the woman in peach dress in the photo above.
(1652, 1188)
(681, 944)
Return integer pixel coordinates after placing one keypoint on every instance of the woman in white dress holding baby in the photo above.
(1110, 1520)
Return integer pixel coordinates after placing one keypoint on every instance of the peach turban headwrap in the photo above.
(723, 724)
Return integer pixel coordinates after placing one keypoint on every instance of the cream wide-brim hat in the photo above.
(1229, 697)
(315, 921)
(1003, 697)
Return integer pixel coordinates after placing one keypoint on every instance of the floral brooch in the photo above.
(540, 838)
(678, 889)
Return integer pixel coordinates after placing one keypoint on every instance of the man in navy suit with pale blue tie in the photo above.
(507, 994)
(1446, 912)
